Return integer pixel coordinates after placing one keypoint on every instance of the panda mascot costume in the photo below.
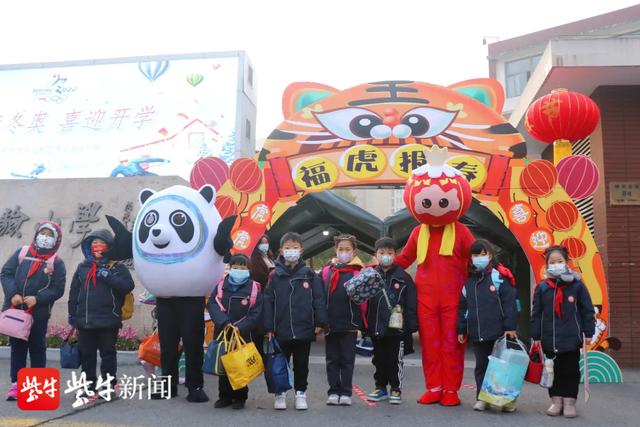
(179, 245)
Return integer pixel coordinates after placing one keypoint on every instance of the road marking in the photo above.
(363, 396)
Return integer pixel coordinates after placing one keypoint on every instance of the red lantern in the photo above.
(579, 176)
(562, 117)
(226, 206)
(538, 178)
(437, 193)
(576, 247)
(209, 170)
(562, 215)
(246, 175)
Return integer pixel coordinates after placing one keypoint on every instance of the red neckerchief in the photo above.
(336, 275)
(40, 259)
(91, 275)
(557, 302)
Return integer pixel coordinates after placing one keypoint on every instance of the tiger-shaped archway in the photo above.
(374, 134)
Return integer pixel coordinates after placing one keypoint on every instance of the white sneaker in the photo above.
(333, 400)
(345, 401)
(480, 406)
(281, 402)
(301, 401)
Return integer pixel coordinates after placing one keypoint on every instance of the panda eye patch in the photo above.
(150, 218)
(178, 218)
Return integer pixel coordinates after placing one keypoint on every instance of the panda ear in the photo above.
(208, 192)
(144, 195)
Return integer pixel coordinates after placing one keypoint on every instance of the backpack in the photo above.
(49, 267)
(255, 288)
(126, 312)
(497, 281)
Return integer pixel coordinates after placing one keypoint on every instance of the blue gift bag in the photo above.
(69, 354)
(277, 372)
(504, 378)
(212, 363)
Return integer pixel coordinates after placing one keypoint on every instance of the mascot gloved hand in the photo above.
(179, 244)
(437, 195)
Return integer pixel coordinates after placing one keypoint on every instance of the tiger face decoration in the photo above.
(437, 193)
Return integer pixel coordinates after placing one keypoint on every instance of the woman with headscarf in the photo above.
(33, 278)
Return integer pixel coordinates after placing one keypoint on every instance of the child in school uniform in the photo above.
(388, 343)
(237, 300)
(487, 311)
(345, 320)
(562, 314)
(294, 312)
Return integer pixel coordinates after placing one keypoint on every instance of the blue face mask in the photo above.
(480, 262)
(238, 276)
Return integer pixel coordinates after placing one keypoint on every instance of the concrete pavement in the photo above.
(610, 405)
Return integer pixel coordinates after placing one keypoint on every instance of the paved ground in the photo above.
(611, 405)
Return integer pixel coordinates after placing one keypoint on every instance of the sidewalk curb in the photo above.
(125, 358)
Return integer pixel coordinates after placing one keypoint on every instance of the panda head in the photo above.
(174, 224)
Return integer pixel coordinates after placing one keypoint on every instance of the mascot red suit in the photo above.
(437, 195)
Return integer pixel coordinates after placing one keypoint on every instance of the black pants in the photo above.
(299, 350)
(36, 347)
(181, 317)
(566, 374)
(226, 392)
(388, 354)
(481, 350)
(90, 341)
(340, 348)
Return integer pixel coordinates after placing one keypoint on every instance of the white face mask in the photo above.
(345, 257)
(291, 255)
(556, 269)
(386, 260)
(263, 247)
(45, 242)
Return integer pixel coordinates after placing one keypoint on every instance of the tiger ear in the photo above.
(301, 94)
(486, 91)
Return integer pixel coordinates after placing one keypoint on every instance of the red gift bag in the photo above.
(536, 365)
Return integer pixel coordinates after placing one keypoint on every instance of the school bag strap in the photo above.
(49, 267)
(255, 288)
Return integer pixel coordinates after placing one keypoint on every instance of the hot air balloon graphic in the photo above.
(195, 79)
(153, 70)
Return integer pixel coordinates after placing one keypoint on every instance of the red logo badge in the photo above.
(571, 299)
(305, 285)
(38, 389)
(397, 286)
(244, 302)
(492, 288)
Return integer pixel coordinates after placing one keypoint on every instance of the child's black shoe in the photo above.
(197, 395)
(238, 404)
(222, 403)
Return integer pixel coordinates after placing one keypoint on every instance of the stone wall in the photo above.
(78, 205)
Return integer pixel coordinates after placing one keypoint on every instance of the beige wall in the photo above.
(37, 198)
(379, 202)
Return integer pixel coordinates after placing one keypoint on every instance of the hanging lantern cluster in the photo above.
(561, 118)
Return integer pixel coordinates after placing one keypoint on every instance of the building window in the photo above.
(397, 201)
(247, 129)
(518, 73)
(250, 75)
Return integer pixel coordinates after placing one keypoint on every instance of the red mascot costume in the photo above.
(437, 195)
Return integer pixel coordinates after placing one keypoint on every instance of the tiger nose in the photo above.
(155, 232)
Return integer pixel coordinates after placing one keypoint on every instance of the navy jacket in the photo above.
(487, 311)
(560, 335)
(237, 308)
(344, 315)
(100, 305)
(46, 288)
(401, 290)
(294, 303)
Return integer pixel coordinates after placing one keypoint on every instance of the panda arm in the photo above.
(222, 243)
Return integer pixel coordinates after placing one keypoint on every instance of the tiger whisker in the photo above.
(300, 132)
(465, 126)
(454, 142)
(320, 141)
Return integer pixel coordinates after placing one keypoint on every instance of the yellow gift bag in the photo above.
(242, 363)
